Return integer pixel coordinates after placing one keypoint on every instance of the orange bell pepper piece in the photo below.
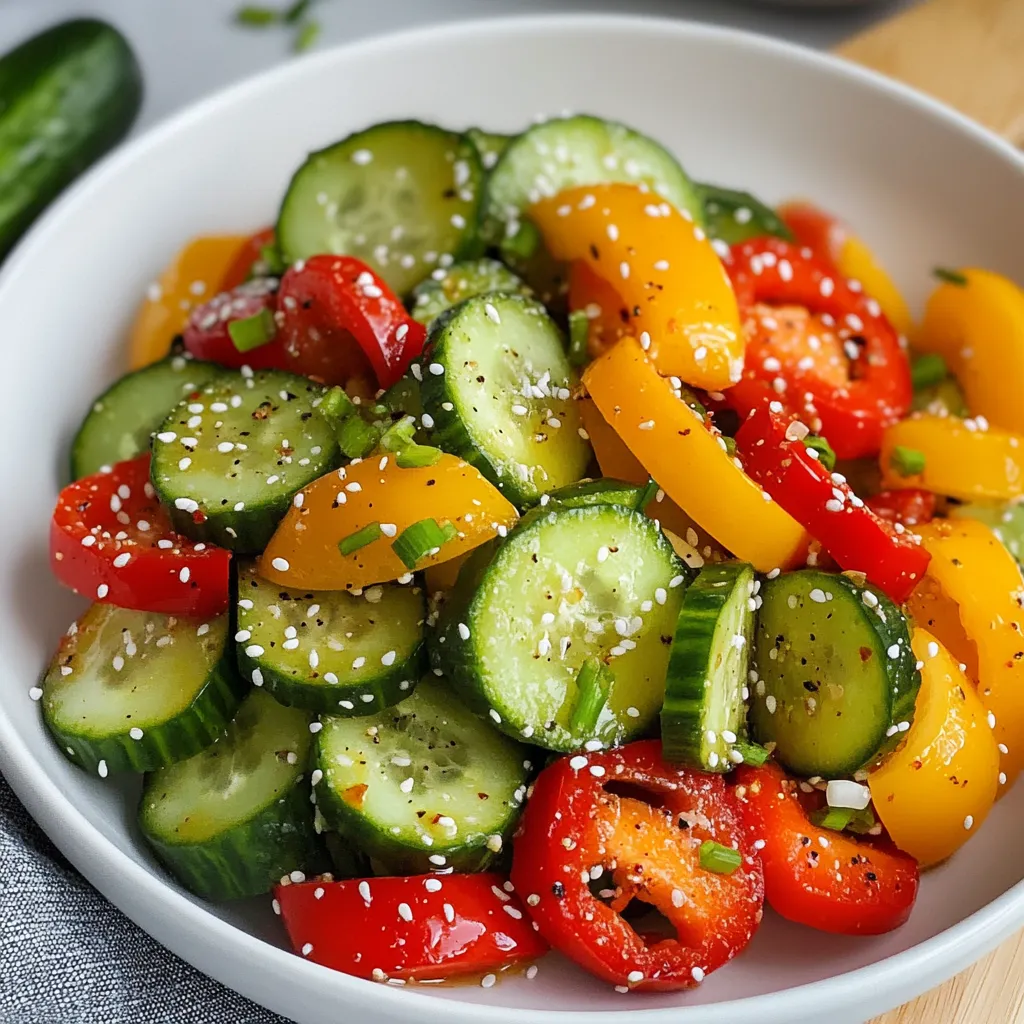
(932, 609)
(193, 277)
(982, 577)
(933, 793)
(304, 554)
(600, 303)
(978, 328)
(964, 459)
(680, 300)
(689, 462)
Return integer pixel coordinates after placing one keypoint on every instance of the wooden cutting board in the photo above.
(969, 53)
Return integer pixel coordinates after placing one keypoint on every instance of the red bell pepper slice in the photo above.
(110, 540)
(823, 503)
(423, 928)
(327, 301)
(250, 253)
(907, 505)
(206, 334)
(575, 830)
(851, 415)
(815, 876)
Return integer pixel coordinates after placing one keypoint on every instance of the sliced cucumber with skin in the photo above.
(582, 150)
(402, 196)
(503, 400)
(731, 216)
(462, 281)
(603, 491)
(227, 462)
(704, 710)
(567, 585)
(121, 422)
(133, 691)
(328, 651)
(490, 145)
(233, 820)
(426, 786)
(837, 678)
(1006, 521)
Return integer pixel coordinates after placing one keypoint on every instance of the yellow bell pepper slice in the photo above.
(688, 461)
(964, 459)
(935, 791)
(441, 576)
(978, 328)
(931, 608)
(982, 577)
(664, 269)
(193, 277)
(304, 553)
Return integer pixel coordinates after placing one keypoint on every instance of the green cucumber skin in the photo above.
(884, 625)
(69, 94)
(683, 724)
(720, 205)
(251, 858)
(603, 491)
(388, 688)
(189, 732)
(490, 145)
(461, 281)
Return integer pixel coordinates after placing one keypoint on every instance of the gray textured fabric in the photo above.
(67, 956)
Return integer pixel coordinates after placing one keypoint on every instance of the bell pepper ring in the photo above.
(878, 391)
(111, 541)
(933, 793)
(819, 877)
(774, 455)
(690, 463)
(663, 268)
(377, 496)
(932, 609)
(575, 831)
(418, 928)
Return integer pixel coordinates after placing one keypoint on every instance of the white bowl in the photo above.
(923, 184)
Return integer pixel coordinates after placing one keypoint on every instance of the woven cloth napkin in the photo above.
(67, 956)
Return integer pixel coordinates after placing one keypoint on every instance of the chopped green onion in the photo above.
(863, 821)
(356, 437)
(907, 461)
(253, 331)
(950, 276)
(593, 681)
(723, 860)
(296, 11)
(399, 435)
(307, 36)
(579, 331)
(753, 753)
(730, 444)
(524, 243)
(255, 16)
(336, 405)
(826, 456)
(450, 531)
(418, 540)
(927, 370)
(418, 456)
(403, 396)
(270, 257)
(690, 399)
(834, 818)
(354, 541)
(647, 495)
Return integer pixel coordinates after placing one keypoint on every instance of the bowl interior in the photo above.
(923, 187)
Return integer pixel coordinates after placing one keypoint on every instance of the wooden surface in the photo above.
(969, 53)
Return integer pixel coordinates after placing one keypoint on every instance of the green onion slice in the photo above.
(723, 860)
(579, 331)
(834, 818)
(907, 461)
(593, 682)
(418, 540)
(647, 495)
(927, 370)
(826, 456)
(753, 753)
(416, 456)
(356, 437)
(950, 276)
(253, 331)
(354, 541)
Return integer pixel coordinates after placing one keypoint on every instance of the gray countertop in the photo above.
(189, 48)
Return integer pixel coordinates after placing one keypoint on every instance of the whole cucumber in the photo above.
(67, 96)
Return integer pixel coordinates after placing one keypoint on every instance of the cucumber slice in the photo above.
(837, 677)
(328, 651)
(462, 281)
(568, 585)
(503, 401)
(732, 216)
(427, 785)
(580, 150)
(489, 145)
(603, 491)
(1006, 521)
(704, 709)
(226, 463)
(401, 196)
(233, 820)
(946, 398)
(123, 419)
(133, 691)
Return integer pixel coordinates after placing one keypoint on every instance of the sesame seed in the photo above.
(634, 977)
(463, 631)
(35, 693)
(578, 763)
(281, 564)
(406, 785)
(436, 369)
(101, 769)
(969, 822)
(697, 974)
(102, 590)
(488, 980)
(364, 891)
(405, 911)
